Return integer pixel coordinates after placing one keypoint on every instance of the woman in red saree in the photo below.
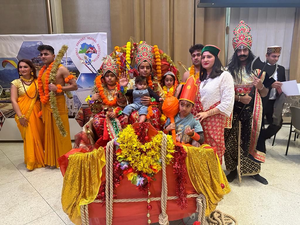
(24, 98)
(214, 100)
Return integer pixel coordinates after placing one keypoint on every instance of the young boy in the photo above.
(141, 90)
(186, 126)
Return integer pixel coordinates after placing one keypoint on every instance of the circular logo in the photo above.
(88, 49)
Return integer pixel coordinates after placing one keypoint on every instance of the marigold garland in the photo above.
(157, 62)
(102, 94)
(70, 77)
(192, 72)
(141, 162)
(44, 92)
(150, 112)
(150, 83)
(59, 88)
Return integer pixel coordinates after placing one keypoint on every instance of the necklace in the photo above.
(26, 80)
(35, 93)
(44, 92)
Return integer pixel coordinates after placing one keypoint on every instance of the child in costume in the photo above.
(141, 90)
(187, 128)
(168, 82)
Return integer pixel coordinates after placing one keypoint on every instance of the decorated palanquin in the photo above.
(136, 174)
(134, 181)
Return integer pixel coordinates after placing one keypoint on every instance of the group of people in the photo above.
(219, 106)
(229, 103)
(32, 101)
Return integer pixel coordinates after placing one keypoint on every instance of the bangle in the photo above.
(261, 88)
(59, 88)
(19, 117)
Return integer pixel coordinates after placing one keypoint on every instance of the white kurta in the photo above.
(219, 89)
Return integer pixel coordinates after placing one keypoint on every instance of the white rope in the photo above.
(84, 215)
(201, 207)
(109, 191)
(163, 217)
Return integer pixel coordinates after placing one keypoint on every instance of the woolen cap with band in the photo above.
(274, 49)
(212, 49)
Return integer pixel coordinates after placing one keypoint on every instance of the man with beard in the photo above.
(242, 156)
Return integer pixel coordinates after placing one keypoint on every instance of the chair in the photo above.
(295, 111)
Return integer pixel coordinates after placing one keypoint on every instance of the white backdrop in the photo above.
(269, 26)
(89, 46)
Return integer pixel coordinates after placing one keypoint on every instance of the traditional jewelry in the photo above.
(36, 91)
(26, 80)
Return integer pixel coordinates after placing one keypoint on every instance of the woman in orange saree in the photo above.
(24, 98)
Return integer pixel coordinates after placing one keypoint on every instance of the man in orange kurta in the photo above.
(56, 144)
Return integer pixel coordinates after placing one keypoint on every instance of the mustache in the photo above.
(240, 56)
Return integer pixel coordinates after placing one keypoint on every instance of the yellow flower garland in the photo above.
(143, 158)
(170, 92)
(192, 72)
(128, 54)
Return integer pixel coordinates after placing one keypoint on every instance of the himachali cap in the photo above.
(212, 49)
(109, 64)
(144, 53)
(242, 37)
(189, 90)
(273, 49)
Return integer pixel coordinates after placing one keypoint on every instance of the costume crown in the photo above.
(242, 38)
(212, 49)
(169, 73)
(274, 49)
(109, 64)
(144, 53)
(189, 90)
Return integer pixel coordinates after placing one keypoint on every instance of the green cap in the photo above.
(212, 49)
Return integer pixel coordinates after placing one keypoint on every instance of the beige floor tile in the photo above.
(49, 219)
(21, 203)
(8, 172)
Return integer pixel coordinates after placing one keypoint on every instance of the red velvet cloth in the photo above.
(136, 213)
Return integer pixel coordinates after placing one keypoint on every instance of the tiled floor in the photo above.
(33, 198)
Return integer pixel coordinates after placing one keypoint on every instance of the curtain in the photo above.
(295, 53)
(172, 25)
(269, 26)
(210, 28)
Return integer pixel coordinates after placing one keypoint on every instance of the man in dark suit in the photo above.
(272, 56)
